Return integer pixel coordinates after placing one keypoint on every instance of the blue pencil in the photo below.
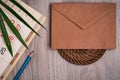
(23, 66)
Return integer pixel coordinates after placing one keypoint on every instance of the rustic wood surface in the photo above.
(47, 64)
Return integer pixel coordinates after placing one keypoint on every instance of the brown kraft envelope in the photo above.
(83, 26)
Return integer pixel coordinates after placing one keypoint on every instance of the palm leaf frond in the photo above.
(5, 34)
(29, 14)
(17, 16)
(13, 28)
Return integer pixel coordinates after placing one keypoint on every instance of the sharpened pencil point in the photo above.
(31, 54)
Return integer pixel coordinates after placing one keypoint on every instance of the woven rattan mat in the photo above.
(81, 56)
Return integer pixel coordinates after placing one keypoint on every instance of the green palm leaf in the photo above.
(5, 35)
(12, 27)
(29, 14)
(17, 16)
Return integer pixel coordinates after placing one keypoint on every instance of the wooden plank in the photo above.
(47, 64)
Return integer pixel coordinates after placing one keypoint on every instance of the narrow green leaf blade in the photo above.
(5, 35)
(12, 27)
(29, 14)
(17, 16)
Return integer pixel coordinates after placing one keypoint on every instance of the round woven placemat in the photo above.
(81, 56)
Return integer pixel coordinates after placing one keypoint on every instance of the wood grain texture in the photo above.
(47, 64)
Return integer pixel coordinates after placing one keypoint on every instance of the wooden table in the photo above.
(47, 64)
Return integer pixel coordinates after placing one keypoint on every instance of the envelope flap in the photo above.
(83, 14)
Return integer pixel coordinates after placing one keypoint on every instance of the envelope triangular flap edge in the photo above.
(85, 14)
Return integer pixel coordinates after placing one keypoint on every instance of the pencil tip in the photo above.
(31, 54)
